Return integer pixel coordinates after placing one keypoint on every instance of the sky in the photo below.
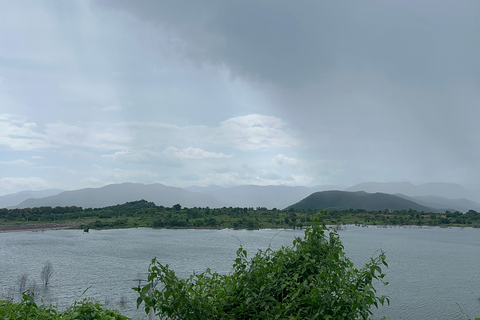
(215, 92)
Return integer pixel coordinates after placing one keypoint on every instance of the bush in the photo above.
(28, 309)
(313, 279)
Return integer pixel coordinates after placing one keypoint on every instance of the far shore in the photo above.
(76, 225)
(39, 227)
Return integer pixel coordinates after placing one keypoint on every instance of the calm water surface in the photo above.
(433, 273)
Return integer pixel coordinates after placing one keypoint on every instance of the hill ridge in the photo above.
(344, 200)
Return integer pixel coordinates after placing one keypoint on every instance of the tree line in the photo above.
(146, 214)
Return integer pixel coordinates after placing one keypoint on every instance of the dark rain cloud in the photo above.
(432, 43)
(388, 85)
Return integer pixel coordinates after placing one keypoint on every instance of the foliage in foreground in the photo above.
(83, 310)
(311, 280)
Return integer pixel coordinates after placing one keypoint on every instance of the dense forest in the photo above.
(147, 214)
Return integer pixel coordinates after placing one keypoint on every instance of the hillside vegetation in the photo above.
(146, 214)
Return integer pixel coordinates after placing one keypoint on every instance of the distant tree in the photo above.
(46, 273)
(177, 207)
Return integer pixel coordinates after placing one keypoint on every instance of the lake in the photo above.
(434, 273)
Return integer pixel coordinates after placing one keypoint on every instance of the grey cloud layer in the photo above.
(240, 91)
(428, 42)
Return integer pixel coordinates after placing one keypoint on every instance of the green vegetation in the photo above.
(147, 214)
(311, 280)
(83, 310)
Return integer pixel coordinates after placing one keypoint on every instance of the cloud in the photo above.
(291, 45)
(194, 153)
(338, 91)
(254, 131)
(250, 132)
(157, 158)
(282, 160)
(16, 184)
(17, 134)
(19, 162)
(260, 177)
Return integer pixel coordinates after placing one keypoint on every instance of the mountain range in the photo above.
(113, 194)
(433, 196)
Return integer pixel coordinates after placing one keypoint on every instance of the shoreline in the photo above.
(38, 227)
(75, 225)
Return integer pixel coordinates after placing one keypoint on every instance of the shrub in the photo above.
(313, 279)
(26, 309)
(83, 310)
(91, 310)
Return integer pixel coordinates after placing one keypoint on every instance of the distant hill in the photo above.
(439, 189)
(13, 199)
(341, 200)
(444, 204)
(240, 196)
(252, 196)
(115, 194)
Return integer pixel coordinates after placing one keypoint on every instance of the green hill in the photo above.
(341, 200)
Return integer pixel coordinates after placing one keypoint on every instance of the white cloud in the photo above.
(19, 162)
(194, 153)
(254, 131)
(171, 156)
(17, 134)
(251, 132)
(128, 156)
(282, 160)
(261, 178)
(162, 158)
(14, 184)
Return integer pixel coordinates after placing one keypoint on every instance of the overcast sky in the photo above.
(238, 92)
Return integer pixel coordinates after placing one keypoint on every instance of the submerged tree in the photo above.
(46, 273)
(22, 282)
(311, 280)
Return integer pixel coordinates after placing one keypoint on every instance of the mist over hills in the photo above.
(214, 197)
(344, 200)
(261, 196)
(439, 189)
(443, 204)
(14, 199)
(279, 197)
(120, 193)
